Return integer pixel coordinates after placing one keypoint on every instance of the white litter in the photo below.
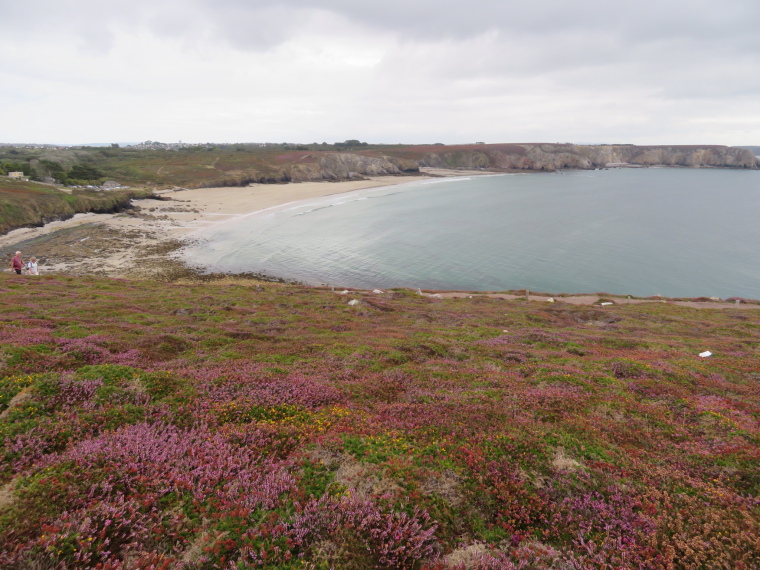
(606, 303)
(705, 354)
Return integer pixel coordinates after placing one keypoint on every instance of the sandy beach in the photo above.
(139, 242)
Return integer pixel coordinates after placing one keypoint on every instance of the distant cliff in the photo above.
(345, 165)
(307, 166)
(240, 165)
(754, 149)
(549, 157)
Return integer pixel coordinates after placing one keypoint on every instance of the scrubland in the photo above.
(148, 425)
(24, 203)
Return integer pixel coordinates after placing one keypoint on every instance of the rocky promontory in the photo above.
(404, 160)
(510, 158)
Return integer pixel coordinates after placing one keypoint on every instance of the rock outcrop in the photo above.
(346, 165)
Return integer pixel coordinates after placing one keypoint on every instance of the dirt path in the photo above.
(597, 300)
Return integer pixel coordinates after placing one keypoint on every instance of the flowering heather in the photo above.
(22, 336)
(156, 426)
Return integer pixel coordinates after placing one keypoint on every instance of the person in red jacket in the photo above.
(16, 263)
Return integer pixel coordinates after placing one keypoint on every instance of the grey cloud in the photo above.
(541, 36)
(264, 22)
(436, 57)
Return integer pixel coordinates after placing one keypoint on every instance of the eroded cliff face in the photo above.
(499, 157)
(549, 157)
(344, 166)
(320, 166)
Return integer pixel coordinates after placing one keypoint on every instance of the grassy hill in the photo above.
(33, 204)
(192, 167)
(278, 426)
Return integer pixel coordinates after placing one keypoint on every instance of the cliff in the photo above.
(344, 166)
(240, 165)
(549, 157)
(308, 166)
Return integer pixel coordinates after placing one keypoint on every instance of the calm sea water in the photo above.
(655, 231)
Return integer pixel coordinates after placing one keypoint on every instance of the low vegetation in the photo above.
(149, 425)
(195, 166)
(24, 203)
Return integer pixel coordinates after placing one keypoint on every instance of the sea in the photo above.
(674, 232)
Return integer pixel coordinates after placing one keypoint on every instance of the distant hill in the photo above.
(191, 166)
(754, 149)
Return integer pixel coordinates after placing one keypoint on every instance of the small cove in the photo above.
(654, 231)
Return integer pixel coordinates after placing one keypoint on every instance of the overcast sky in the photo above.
(411, 71)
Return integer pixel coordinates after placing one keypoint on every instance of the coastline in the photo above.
(137, 243)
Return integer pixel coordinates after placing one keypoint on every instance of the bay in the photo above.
(650, 231)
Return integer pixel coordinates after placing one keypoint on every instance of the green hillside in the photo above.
(146, 425)
(197, 166)
(25, 203)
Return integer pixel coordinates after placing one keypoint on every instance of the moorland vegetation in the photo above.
(148, 425)
(28, 204)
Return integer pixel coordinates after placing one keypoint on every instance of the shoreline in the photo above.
(136, 243)
(139, 244)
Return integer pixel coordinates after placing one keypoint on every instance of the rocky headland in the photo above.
(314, 166)
(552, 157)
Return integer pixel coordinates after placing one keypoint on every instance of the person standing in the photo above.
(16, 263)
(31, 266)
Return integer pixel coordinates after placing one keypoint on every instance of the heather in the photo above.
(148, 425)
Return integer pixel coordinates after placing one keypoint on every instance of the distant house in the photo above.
(18, 175)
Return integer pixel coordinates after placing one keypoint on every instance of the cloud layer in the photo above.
(672, 71)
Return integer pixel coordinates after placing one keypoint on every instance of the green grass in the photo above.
(32, 204)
